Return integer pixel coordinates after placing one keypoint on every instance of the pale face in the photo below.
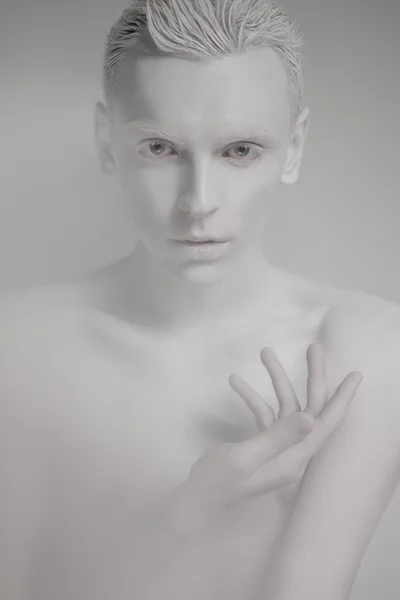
(226, 147)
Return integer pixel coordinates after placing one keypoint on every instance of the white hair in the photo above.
(203, 30)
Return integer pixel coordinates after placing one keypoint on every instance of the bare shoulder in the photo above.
(357, 330)
(362, 332)
(358, 313)
(37, 332)
(35, 379)
(31, 319)
(39, 299)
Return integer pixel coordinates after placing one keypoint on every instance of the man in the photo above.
(114, 386)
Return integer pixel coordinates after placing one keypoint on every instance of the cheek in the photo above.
(259, 191)
(257, 206)
(151, 184)
(254, 206)
(147, 201)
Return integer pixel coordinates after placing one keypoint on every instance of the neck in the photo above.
(156, 297)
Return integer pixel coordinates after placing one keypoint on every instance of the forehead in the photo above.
(197, 98)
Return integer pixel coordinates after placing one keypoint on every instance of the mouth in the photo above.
(202, 242)
(200, 250)
(193, 240)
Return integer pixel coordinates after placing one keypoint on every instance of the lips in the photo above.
(201, 252)
(203, 240)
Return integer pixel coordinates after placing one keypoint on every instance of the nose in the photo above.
(201, 198)
(198, 208)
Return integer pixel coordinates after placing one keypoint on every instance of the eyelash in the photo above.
(238, 144)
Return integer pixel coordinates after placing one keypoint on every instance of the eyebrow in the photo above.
(256, 134)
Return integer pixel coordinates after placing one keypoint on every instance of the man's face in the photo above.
(209, 175)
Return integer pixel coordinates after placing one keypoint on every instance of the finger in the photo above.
(330, 418)
(284, 390)
(262, 411)
(281, 435)
(317, 390)
(337, 406)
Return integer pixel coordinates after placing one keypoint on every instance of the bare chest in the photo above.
(134, 422)
(174, 394)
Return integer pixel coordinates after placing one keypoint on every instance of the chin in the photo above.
(201, 273)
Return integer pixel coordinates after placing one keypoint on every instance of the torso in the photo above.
(130, 412)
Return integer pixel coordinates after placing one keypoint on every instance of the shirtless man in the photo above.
(114, 386)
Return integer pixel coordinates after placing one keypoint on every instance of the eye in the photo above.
(243, 152)
(156, 148)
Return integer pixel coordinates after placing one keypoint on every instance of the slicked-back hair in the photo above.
(203, 30)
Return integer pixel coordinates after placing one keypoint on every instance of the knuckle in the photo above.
(302, 418)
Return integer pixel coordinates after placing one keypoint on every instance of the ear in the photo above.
(291, 170)
(102, 125)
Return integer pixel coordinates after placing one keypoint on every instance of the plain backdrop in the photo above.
(339, 224)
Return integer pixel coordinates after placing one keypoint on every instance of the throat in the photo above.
(151, 296)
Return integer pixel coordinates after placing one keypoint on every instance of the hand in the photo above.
(275, 458)
(327, 416)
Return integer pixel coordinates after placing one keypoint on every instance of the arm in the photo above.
(350, 482)
(21, 504)
(21, 469)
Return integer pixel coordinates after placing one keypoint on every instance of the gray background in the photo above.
(59, 216)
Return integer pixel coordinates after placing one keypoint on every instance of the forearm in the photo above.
(281, 582)
(170, 556)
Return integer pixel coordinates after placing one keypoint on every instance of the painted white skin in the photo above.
(203, 186)
(143, 383)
